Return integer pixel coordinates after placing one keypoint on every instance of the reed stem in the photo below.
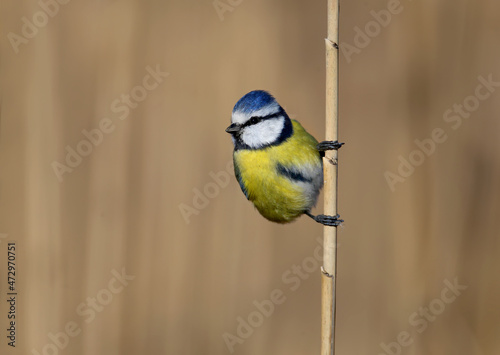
(329, 269)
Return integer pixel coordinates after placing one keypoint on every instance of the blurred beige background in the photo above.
(106, 261)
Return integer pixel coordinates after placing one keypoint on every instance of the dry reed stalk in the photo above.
(329, 270)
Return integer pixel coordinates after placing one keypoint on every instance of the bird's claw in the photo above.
(329, 145)
(332, 221)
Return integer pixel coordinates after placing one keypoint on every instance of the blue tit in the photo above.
(278, 165)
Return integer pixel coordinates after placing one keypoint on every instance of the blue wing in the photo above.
(293, 173)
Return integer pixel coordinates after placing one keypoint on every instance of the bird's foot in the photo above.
(332, 221)
(329, 145)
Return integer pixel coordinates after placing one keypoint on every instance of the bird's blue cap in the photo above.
(253, 101)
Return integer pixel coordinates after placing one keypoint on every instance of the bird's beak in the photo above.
(233, 128)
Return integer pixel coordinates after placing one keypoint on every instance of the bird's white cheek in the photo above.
(253, 138)
(264, 133)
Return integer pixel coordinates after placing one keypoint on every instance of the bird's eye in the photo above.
(254, 120)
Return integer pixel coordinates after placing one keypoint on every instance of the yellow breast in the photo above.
(276, 196)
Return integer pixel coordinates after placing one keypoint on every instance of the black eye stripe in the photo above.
(256, 119)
